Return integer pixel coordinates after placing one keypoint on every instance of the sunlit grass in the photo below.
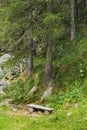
(65, 118)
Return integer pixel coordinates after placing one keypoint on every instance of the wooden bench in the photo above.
(32, 108)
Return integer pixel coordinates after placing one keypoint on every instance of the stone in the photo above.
(24, 61)
(69, 114)
(76, 105)
(14, 109)
(46, 112)
(3, 85)
(16, 70)
(31, 110)
(4, 58)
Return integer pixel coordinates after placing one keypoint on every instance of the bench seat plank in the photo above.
(39, 107)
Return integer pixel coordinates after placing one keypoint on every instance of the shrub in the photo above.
(16, 91)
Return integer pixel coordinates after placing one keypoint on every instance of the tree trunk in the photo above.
(48, 68)
(76, 9)
(31, 42)
(85, 11)
(73, 31)
(30, 58)
(29, 69)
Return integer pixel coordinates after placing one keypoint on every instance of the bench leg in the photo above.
(46, 112)
(31, 110)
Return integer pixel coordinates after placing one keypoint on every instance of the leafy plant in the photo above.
(16, 91)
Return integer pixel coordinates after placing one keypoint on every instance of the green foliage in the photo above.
(1, 97)
(73, 94)
(64, 118)
(16, 91)
(50, 20)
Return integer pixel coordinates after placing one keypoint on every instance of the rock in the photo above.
(76, 105)
(4, 58)
(69, 114)
(31, 110)
(14, 109)
(2, 71)
(16, 70)
(24, 61)
(10, 76)
(3, 82)
(46, 112)
(3, 85)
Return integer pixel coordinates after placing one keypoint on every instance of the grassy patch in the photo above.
(70, 112)
(66, 117)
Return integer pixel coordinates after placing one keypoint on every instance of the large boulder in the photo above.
(4, 82)
(4, 58)
(3, 85)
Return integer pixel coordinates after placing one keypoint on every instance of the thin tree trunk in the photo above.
(30, 57)
(76, 9)
(29, 69)
(48, 68)
(73, 31)
(85, 11)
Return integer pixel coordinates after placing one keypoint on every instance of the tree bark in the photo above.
(30, 57)
(73, 30)
(48, 68)
(31, 42)
(85, 11)
(76, 9)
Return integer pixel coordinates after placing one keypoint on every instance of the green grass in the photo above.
(59, 120)
(70, 112)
